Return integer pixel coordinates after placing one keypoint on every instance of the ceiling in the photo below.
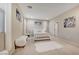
(45, 11)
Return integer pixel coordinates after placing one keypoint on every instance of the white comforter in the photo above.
(42, 36)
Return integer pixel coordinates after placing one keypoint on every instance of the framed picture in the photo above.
(18, 15)
(69, 22)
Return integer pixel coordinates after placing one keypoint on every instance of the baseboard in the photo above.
(70, 41)
(66, 40)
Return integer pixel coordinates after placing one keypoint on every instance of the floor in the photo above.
(67, 49)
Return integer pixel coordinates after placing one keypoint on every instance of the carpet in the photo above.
(45, 46)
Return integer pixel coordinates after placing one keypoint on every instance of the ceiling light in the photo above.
(30, 7)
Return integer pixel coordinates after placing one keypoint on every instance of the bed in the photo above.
(42, 36)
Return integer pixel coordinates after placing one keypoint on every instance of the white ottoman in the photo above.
(21, 41)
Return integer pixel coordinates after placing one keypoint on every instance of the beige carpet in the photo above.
(45, 46)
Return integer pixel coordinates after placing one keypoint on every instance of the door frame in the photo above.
(56, 29)
(4, 26)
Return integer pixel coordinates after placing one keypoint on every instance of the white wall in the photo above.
(7, 9)
(17, 26)
(51, 27)
(68, 33)
(32, 27)
(13, 28)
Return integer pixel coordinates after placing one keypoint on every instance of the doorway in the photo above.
(56, 29)
(2, 30)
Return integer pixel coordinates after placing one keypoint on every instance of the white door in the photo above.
(55, 28)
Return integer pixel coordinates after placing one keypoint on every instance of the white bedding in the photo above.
(42, 36)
